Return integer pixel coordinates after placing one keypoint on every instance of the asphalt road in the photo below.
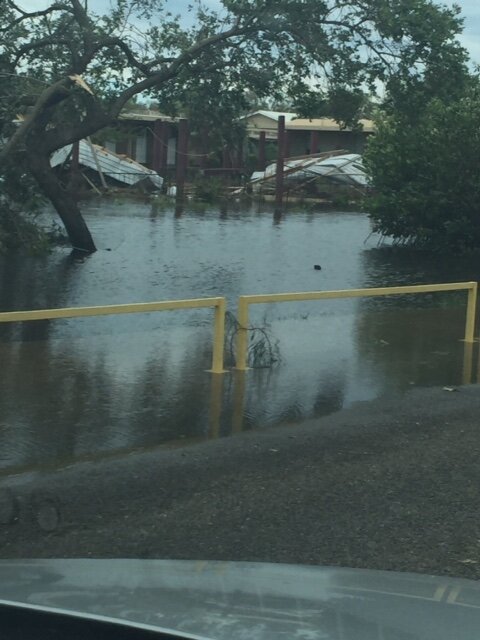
(391, 484)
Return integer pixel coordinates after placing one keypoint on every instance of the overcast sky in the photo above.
(470, 8)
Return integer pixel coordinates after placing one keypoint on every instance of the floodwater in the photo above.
(84, 388)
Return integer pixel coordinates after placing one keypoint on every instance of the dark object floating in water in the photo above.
(317, 267)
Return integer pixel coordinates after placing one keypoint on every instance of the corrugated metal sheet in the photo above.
(145, 116)
(346, 168)
(112, 165)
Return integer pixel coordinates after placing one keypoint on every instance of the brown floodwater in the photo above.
(90, 387)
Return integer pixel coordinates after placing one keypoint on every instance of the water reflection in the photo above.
(420, 334)
(89, 387)
(65, 399)
(389, 266)
(421, 347)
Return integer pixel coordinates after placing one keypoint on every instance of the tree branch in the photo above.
(53, 91)
(94, 120)
(39, 44)
(34, 14)
(85, 24)
(173, 69)
(123, 46)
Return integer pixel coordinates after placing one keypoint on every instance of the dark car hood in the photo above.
(237, 600)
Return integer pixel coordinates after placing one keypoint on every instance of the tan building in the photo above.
(266, 121)
(305, 136)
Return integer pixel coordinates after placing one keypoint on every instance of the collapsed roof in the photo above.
(338, 167)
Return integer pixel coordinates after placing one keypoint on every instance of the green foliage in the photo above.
(426, 175)
(20, 230)
(321, 58)
(20, 206)
(208, 189)
(346, 105)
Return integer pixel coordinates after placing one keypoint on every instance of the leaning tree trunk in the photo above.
(64, 203)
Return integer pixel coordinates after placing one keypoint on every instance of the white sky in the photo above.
(471, 35)
(470, 9)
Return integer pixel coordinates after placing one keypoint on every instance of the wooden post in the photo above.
(226, 164)
(164, 129)
(160, 147)
(313, 142)
(182, 157)
(261, 152)
(280, 157)
(157, 143)
(204, 142)
(240, 156)
(286, 147)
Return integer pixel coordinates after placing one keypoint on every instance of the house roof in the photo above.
(272, 115)
(294, 123)
(324, 124)
(147, 115)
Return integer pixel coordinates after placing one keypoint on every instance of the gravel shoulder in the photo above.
(390, 484)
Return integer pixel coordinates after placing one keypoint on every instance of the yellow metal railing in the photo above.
(244, 303)
(144, 307)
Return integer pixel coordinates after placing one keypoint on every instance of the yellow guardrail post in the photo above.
(471, 313)
(242, 334)
(219, 337)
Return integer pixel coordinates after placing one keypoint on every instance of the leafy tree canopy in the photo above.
(426, 174)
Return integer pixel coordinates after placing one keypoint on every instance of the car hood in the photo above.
(254, 601)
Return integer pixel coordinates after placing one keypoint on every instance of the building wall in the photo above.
(260, 123)
(300, 141)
